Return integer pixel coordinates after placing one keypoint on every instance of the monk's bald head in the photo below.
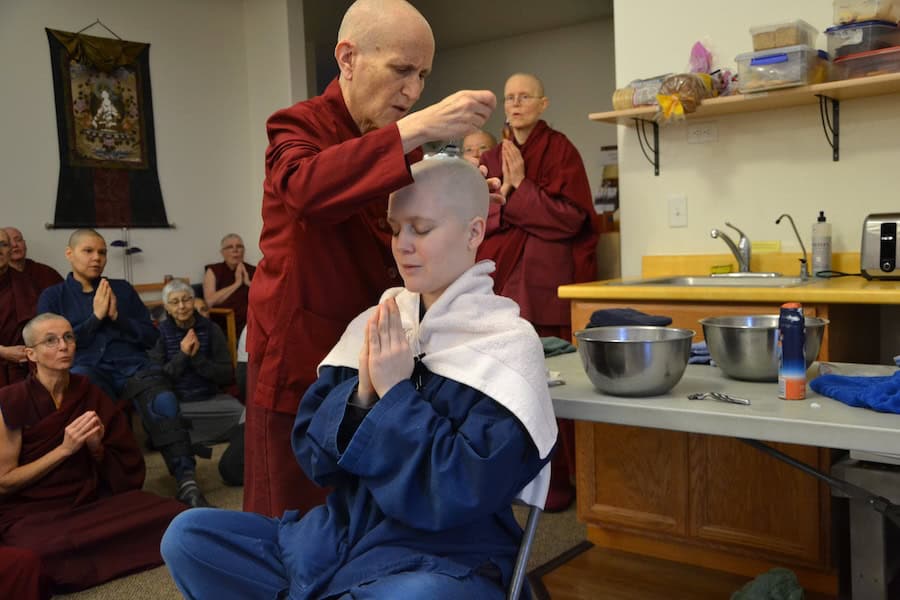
(529, 80)
(34, 330)
(79, 235)
(371, 23)
(459, 187)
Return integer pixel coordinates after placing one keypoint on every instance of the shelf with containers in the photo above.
(827, 95)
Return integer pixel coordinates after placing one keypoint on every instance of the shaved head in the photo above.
(532, 80)
(34, 329)
(461, 187)
(79, 234)
(371, 23)
(12, 232)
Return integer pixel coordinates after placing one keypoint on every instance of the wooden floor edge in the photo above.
(816, 581)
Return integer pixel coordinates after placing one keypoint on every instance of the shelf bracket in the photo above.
(831, 124)
(640, 126)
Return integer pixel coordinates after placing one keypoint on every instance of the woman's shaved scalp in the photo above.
(461, 187)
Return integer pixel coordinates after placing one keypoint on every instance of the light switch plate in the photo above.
(678, 216)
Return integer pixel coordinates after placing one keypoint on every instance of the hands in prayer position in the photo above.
(190, 344)
(513, 167)
(105, 304)
(86, 429)
(385, 358)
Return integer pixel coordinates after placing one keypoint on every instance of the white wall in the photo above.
(575, 63)
(764, 163)
(209, 120)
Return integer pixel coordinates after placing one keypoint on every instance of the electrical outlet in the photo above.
(702, 133)
(678, 210)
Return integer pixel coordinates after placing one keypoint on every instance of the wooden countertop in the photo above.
(842, 290)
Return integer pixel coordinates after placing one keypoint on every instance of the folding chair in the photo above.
(534, 495)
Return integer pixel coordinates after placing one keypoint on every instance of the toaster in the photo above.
(880, 254)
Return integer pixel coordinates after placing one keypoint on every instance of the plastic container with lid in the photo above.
(780, 68)
(866, 36)
(876, 62)
(851, 11)
(784, 34)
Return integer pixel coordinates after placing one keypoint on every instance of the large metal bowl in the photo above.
(746, 347)
(634, 360)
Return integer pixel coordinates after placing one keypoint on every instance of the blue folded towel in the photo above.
(625, 316)
(554, 346)
(699, 354)
(878, 393)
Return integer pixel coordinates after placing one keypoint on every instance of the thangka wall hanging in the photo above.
(104, 121)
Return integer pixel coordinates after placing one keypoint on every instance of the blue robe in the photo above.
(108, 351)
(423, 483)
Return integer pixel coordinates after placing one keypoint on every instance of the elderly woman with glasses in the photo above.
(193, 352)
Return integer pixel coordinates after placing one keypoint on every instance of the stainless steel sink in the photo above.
(724, 280)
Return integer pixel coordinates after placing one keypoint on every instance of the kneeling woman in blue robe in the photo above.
(428, 417)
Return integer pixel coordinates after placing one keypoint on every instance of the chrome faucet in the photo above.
(741, 250)
(804, 263)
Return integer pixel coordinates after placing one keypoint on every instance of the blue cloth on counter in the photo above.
(619, 317)
(699, 354)
(878, 393)
(554, 346)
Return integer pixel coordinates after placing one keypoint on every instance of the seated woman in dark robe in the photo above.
(71, 472)
(227, 284)
(427, 418)
(193, 352)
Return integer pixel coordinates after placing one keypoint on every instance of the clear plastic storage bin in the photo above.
(780, 68)
(854, 38)
(876, 62)
(851, 11)
(781, 35)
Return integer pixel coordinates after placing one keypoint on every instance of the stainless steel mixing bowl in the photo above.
(634, 360)
(746, 347)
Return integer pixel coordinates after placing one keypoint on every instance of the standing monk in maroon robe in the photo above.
(544, 236)
(18, 304)
(227, 284)
(41, 276)
(71, 472)
(330, 165)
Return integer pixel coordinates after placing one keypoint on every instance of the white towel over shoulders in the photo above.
(476, 338)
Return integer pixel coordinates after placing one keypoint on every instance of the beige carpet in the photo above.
(556, 533)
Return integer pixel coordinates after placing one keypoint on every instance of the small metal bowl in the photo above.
(634, 360)
(746, 347)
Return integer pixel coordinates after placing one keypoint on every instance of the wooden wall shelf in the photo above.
(827, 95)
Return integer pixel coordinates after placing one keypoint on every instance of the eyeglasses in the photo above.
(233, 247)
(52, 340)
(520, 98)
(177, 301)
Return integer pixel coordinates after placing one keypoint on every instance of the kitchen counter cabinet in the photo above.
(703, 499)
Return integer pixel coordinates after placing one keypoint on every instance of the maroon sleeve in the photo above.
(333, 183)
(122, 467)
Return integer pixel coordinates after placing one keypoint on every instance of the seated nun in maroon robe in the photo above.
(227, 284)
(544, 236)
(71, 472)
(18, 303)
(41, 276)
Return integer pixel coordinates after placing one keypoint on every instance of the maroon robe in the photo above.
(326, 258)
(20, 575)
(237, 301)
(41, 276)
(544, 236)
(89, 521)
(18, 305)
